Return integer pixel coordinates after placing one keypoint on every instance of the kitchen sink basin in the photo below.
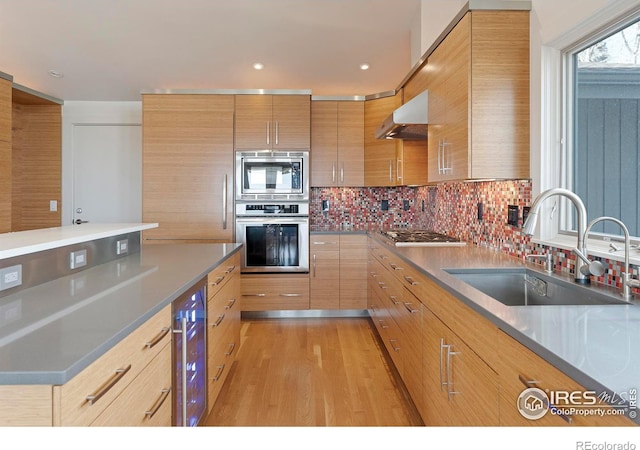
(525, 287)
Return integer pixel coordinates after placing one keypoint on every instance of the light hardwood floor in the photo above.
(312, 372)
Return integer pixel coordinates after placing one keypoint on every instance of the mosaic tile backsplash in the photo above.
(449, 208)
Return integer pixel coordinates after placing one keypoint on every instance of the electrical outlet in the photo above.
(513, 214)
(422, 205)
(480, 211)
(53, 205)
(325, 205)
(10, 277)
(384, 205)
(122, 246)
(525, 212)
(406, 205)
(78, 259)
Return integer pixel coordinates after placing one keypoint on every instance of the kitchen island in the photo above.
(51, 332)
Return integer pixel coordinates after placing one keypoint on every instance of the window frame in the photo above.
(555, 157)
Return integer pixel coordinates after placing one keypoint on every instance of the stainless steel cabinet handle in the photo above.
(410, 280)
(333, 172)
(342, 173)
(164, 393)
(163, 332)
(383, 256)
(395, 267)
(277, 123)
(254, 295)
(390, 171)
(268, 126)
(325, 243)
(398, 166)
(393, 345)
(111, 382)
(230, 349)
(230, 303)
(314, 265)
(290, 295)
(218, 281)
(449, 381)
(218, 321)
(224, 202)
(382, 325)
(394, 299)
(439, 156)
(534, 383)
(409, 307)
(442, 347)
(218, 374)
(230, 269)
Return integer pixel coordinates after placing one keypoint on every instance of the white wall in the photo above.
(94, 113)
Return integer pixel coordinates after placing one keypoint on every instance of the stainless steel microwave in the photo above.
(272, 175)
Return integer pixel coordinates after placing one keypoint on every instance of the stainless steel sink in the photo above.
(525, 287)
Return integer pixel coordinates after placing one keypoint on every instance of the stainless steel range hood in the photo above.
(408, 121)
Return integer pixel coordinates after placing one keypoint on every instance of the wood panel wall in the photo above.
(36, 174)
(5, 156)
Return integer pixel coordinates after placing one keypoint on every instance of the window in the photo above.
(602, 160)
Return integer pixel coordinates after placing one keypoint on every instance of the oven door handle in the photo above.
(272, 220)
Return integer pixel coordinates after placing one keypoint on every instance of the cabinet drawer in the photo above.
(108, 376)
(146, 401)
(25, 405)
(325, 243)
(265, 292)
(219, 276)
(519, 365)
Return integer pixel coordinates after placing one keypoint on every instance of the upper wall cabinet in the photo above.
(337, 143)
(391, 162)
(275, 122)
(478, 81)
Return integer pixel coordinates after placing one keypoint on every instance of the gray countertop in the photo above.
(598, 346)
(50, 332)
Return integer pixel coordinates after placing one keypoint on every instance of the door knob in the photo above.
(79, 221)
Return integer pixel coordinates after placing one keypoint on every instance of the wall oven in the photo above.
(275, 237)
(272, 175)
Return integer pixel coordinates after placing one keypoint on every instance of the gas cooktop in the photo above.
(419, 238)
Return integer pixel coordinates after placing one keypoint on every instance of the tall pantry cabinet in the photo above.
(187, 160)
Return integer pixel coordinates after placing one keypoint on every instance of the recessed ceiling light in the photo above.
(56, 74)
(364, 66)
(258, 66)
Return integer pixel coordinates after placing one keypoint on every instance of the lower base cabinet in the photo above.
(269, 292)
(124, 384)
(521, 369)
(223, 325)
(460, 389)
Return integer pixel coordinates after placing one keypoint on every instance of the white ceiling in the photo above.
(114, 49)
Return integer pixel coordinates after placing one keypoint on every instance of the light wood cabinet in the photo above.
(337, 143)
(276, 122)
(520, 368)
(187, 159)
(478, 81)
(95, 390)
(146, 402)
(265, 292)
(338, 278)
(459, 387)
(391, 162)
(26, 405)
(223, 325)
(380, 155)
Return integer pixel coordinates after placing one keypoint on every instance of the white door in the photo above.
(107, 173)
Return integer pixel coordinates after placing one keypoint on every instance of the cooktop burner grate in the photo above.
(419, 237)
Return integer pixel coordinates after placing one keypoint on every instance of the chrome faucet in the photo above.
(530, 224)
(627, 281)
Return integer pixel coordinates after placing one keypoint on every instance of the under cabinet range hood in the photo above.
(408, 122)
